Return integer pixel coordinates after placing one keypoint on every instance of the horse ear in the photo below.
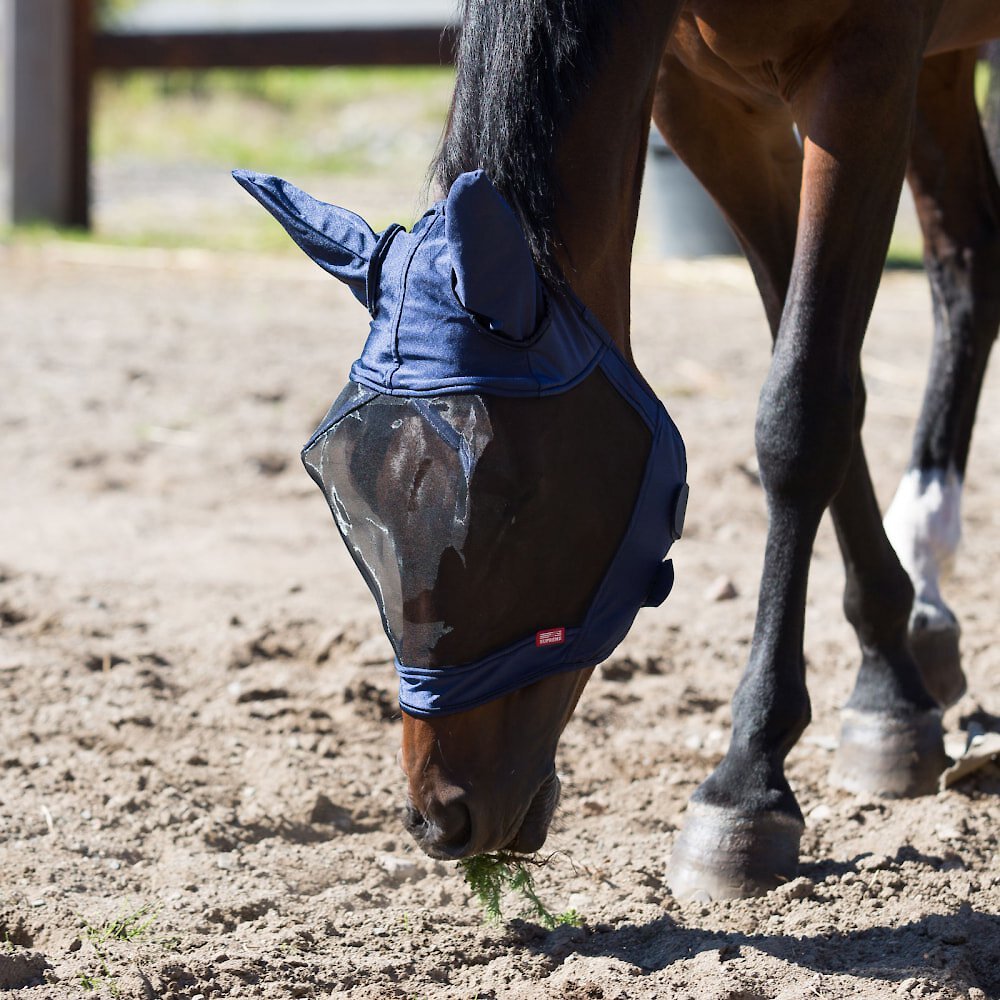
(339, 241)
(494, 274)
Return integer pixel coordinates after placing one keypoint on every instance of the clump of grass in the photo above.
(129, 925)
(492, 876)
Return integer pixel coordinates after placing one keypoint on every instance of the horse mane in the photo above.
(522, 65)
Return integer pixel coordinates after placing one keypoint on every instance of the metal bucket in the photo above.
(687, 222)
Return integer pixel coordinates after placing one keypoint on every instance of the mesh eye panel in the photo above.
(396, 472)
(478, 520)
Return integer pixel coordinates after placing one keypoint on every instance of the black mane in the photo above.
(521, 67)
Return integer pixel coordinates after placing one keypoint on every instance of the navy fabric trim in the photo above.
(485, 384)
(422, 693)
(340, 409)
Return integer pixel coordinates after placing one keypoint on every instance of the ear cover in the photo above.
(493, 272)
(339, 241)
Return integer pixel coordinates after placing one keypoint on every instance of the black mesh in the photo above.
(396, 474)
(477, 520)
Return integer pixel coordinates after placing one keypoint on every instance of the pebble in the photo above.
(799, 888)
(399, 869)
(874, 863)
(945, 931)
(327, 644)
(618, 670)
(374, 651)
(953, 937)
(721, 589)
(561, 940)
(820, 813)
(948, 833)
(325, 810)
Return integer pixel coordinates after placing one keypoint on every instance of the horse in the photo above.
(801, 119)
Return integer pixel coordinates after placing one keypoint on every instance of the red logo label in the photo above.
(550, 637)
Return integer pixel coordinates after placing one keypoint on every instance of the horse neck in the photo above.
(599, 167)
(553, 101)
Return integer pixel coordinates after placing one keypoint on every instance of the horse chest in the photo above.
(753, 36)
(750, 32)
(759, 48)
(964, 23)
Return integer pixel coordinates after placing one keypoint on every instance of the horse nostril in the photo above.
(445, 832)
(414, 821)
(455, 826)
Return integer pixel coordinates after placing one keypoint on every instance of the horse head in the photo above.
(507, 486)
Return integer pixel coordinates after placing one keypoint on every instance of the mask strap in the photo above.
(663, 582)
(680, 511)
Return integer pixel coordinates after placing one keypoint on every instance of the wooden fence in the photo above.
(52, 52)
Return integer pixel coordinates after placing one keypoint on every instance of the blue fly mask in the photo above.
(423, 447)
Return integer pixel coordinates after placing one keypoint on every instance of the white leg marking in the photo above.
(924, 525)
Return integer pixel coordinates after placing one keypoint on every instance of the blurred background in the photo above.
(165, 141)
(154, 124)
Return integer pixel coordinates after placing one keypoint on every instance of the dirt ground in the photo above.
(199, 728)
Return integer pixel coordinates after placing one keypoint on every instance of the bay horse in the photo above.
(801, 118)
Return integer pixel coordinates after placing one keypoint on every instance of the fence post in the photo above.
(991, 112)
(45, 97)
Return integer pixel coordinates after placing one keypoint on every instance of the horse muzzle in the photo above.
(451, 827)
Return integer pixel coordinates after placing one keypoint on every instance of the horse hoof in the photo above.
(890, 756)
(724, 854)
(934, 645)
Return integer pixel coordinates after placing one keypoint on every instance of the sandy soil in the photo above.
(199, 726)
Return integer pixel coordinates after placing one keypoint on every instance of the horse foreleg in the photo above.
(958, 202)
(891, 741)
(742, 836)
(742, 830)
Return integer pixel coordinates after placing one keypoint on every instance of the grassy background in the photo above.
(340, 121)
(164, 143)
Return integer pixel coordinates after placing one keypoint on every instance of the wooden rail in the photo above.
(256, 49)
